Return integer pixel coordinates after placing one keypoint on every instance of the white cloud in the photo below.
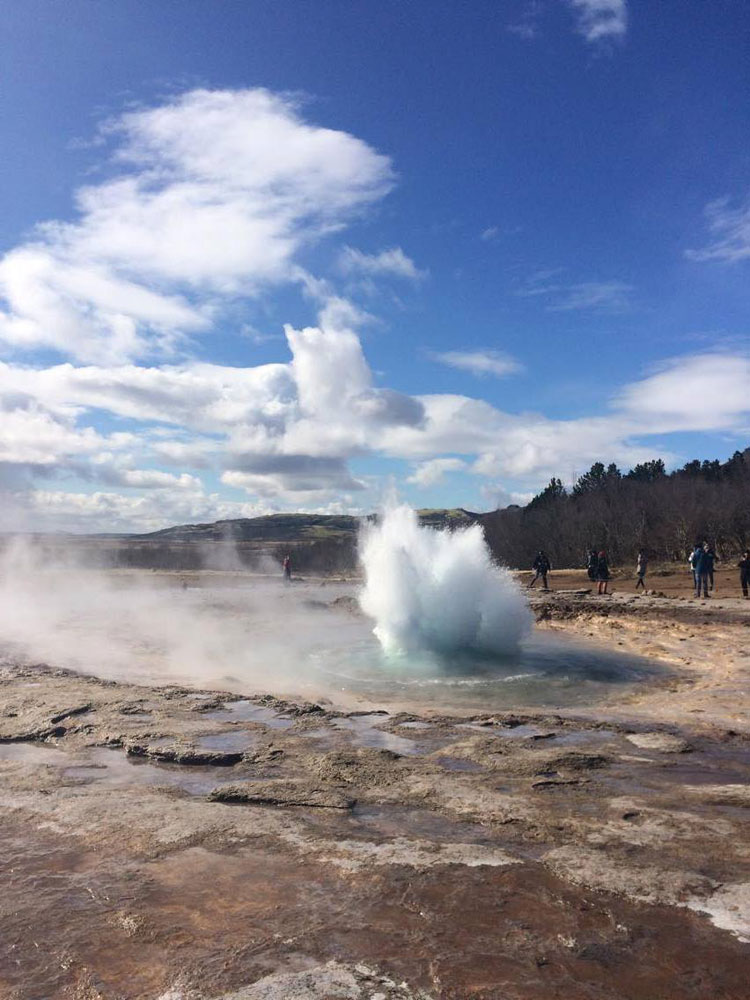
(561, 296)
(216, 192)
(392, 262)
(611, 296)
(480, 362)
(702, 392)
(432, 472)
(283, 434)
(600, 20)
(730, 228)
(489, 234)
(214, 195)
(59, 510)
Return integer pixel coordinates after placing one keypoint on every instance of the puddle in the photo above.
(365, 731)
(576, 737)
(400, 821)
(524, 732)
(458, 764)
(236, 740)
(30, 753)
(112, 768)
(248, 711)
(366, 734)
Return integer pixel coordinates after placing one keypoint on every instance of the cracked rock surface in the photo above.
(168, 843)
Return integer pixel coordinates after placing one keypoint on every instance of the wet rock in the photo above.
(572, 761)
(66, 713)
(132, 708)
(282, 793)
(187, 755)
(597, 869)
(264, 755)
(208, 705)
(420, 855)
(728, 908)
(729, 795)
(307, 708)
(362, 767)
(333, 981)
(555, 782)
(663, 742)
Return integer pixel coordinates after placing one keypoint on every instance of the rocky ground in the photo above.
(163, 842)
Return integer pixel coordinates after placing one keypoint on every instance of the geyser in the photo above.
(438, 590)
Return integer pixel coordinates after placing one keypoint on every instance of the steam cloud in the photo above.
(438, 590)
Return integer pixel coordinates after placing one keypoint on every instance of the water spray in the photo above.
(438, 590)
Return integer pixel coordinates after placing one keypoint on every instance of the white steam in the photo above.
(438, 590)
(244, 631)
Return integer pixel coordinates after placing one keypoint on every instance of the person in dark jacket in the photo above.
(640, 568)
(710, 558)
(541, 567)
(287, 567)
(744, 565)
(602, 572)
(592, 562)
(700, 569)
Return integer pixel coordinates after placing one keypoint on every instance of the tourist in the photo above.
(700, 570)
(541, 567)
(710, 557)
(287, 566)
(602, 572)
(640, 568)
(693, 559)
(591, 564)
(744, 565)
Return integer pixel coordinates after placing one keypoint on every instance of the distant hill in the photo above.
(317, 543)
(295, 527)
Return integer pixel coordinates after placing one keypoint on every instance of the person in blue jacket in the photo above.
(700, 569)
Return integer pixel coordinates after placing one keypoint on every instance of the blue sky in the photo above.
(277, 255)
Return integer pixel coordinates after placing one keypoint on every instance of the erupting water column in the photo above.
(438, 590)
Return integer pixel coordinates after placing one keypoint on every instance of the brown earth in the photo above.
(669, 580)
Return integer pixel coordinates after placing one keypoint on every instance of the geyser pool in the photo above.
(438, 591)
(252, 635)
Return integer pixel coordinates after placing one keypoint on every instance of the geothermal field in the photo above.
(411, 784)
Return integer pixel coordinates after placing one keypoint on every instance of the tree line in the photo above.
(647, 507)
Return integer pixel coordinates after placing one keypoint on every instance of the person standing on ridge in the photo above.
(602, 572)
(744, 565)
(541, 567)
(640, 568)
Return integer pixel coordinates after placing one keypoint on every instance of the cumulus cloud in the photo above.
(393, 262)
(213, 195)
(666, 400)
(480, 362)
(432, 472)
(284, 437)
(45, 509)
(600, 20)
(730, 228)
